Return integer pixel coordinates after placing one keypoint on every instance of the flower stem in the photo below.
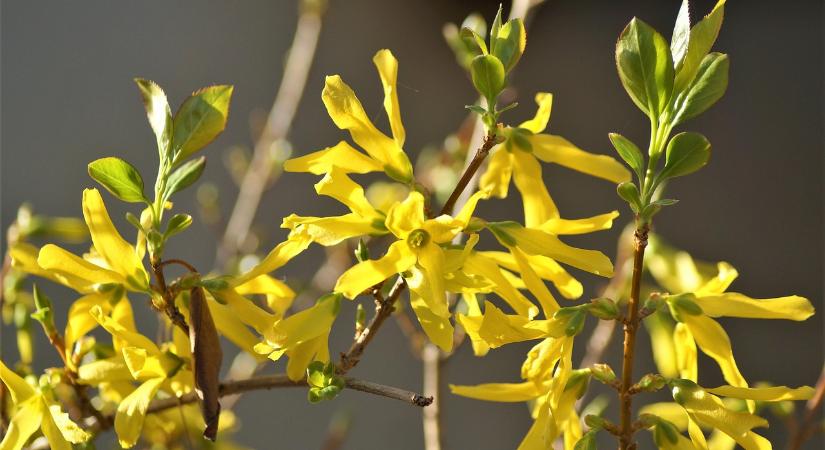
(631, 324)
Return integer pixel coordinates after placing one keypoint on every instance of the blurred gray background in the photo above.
(68, 98)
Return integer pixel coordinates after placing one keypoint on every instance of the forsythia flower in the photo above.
(35, 410)
(416, 249)
(698, 408)
(695, 312)
(345, 109)
(518, 159)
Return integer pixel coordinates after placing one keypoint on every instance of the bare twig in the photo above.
(279, 121)
(431, 357)
(807, 428)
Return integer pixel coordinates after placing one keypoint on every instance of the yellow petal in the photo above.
(142, 365)
(541, 433)
(130, 337)
(714, 342)
(366, 274)
(342, 155)
(338, 185)
(328, 231)
(538, 206)
(765, 394)
(538, 366)
(19, 389)
(466, 213)
(535, 284)
(306, 352)
(279, 296)
(74, 271)
(495, 328)
(23, 424)
(537, 242)
(228, 325)
(697, 436)
(556, 149)
(246, 310)
(387, 67)
(431, 264)
(718, 284)
(538, 123)
(118, 253)
(661, 342)
(69, 430)
(132, 411)
(685, 349)
(80, 321)
(547, 269)
(481, 264)
(496, 179)
(499, 392)
(437, 328)
(346, 111)
(105, 371)
(303, 326)
(280, 255)
(559, 226)
(709, 411)
(406, 216)
(24, 258)
(738, 305)
(670, 411)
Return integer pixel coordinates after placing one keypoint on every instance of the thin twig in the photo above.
(807, 428)
(431, 357)
(279, 121)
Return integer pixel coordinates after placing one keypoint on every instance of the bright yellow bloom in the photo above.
(695, 312)
(416, 249)
(385, 153)
(302, 336)
(518, 159)
(698, 408)
(34, 410)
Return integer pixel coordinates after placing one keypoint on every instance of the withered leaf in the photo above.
(206, 356)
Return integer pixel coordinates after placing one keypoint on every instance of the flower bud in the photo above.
(603, 373)
(604, 308)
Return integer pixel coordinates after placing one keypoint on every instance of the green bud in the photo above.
(214, 284)
(604, 308)
(362, 252)
(43, 312)
(650, 383)
(595, 422)
(360, 318)
(653, 303)
(630, 193)
(603, 373)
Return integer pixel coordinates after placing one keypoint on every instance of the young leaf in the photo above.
(645, 67)
(686, 153)
(119, 178)
(702, 37)
(200, 119)
(707, 88)
(206, 356)
(629, 152)
(630, 193)
(185, 175)
(177, 224)
(488, 77)
(473, 41)
(681, 34)
(495, 29)
(158, 112)
(510, 43)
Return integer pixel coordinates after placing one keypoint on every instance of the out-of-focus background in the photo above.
(68, 98)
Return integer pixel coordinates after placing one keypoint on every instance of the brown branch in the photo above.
(631, 324)
(431, 357)
(470, 172)
(807, 428)
(279, 121)
(168, 306)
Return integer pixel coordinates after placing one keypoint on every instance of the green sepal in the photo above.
(119, 177)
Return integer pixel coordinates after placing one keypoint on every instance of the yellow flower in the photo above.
(147, 364)
(302, 336)
(695, 312)
(698, 408)
(551, 386)
(34, 410)
(384, 152)
(518, 159)
(416, 249)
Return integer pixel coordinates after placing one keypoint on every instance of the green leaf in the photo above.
(488, 77)
(177, 224)
(510, 43)
(473, 41)
(158, 112)
(707, 88)
(495, 29)
(681, 34)
(630, 193)
(629, 152)
(587, 441)
(686, 153)
(119, 178)
(702, 37)
(478, 109)
(184, 176)
(200, 119)
(645, 67)
(666, 202)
